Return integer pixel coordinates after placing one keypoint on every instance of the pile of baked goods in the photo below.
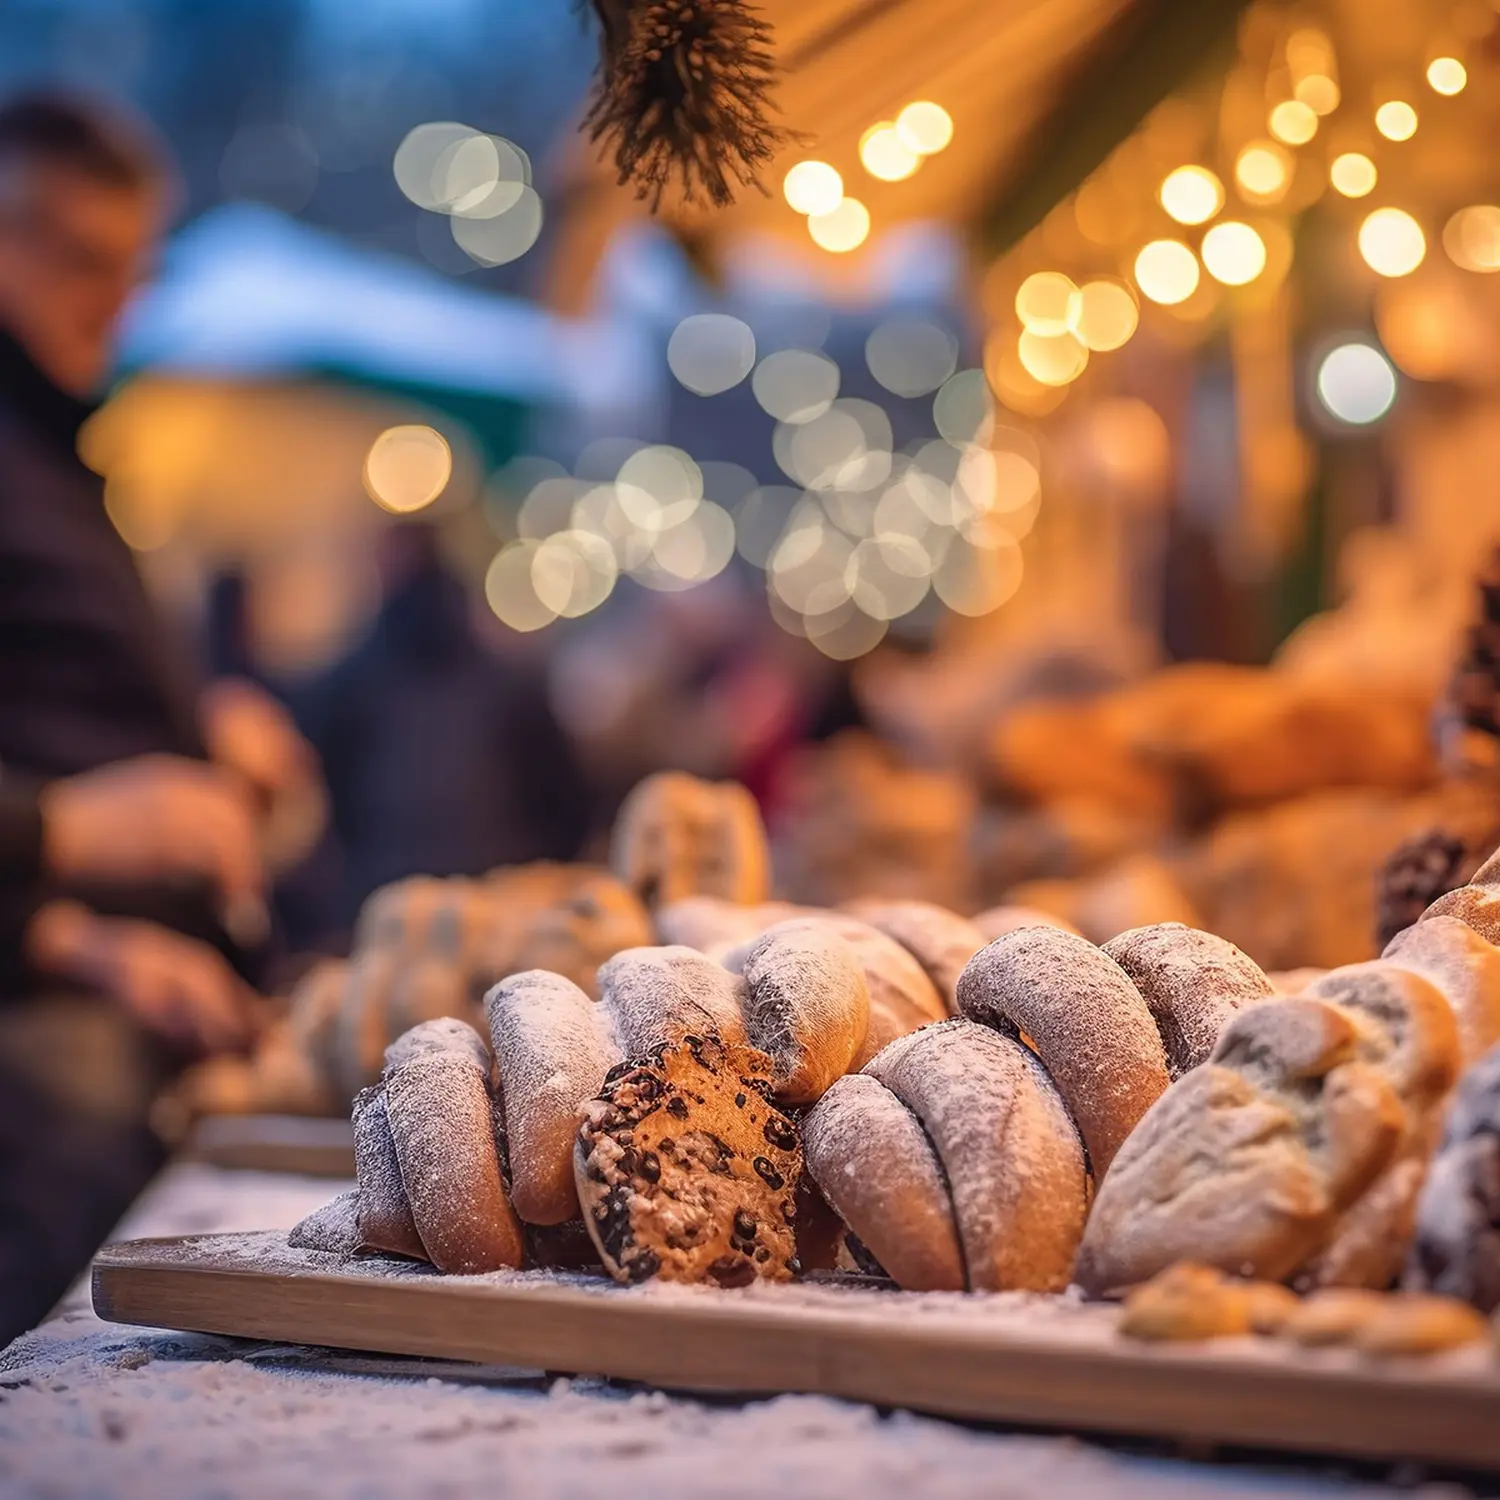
(979, 1105)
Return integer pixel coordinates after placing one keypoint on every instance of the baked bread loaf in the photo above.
(687, 1171)
(677, 836)
(1456, 1248)
(553, 1047)
(806, 1006)
(1405, 1028)
(442, 1125)
(1085, 1019)
(1193, 983)
(875, 1165)
(710, 924)
(989, 1158)
(1246, 1162)
(940, 940)
(1451, 956)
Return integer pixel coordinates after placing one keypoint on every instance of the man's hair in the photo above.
(55, 129)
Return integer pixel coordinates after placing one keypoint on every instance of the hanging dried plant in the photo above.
(684, 91)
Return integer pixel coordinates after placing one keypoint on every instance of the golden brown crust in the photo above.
(1246, 1162)
(677, 836)
(873, 1162)
(1010, 1153)
(1464, 967)
(1088, 1024)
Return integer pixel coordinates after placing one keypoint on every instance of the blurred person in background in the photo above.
(443, 755)
(131, 886)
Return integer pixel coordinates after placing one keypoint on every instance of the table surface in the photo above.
(94, 1409)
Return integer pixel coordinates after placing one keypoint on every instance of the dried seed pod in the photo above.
(684, 90)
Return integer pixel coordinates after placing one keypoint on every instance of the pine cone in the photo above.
(684, 88)
(1415, 874)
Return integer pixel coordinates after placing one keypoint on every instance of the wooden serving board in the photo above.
(303, 1144)
(1035, 1361)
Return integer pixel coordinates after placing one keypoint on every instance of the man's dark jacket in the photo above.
(88, 673)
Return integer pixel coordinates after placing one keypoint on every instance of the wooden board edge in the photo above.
(1022, 1378)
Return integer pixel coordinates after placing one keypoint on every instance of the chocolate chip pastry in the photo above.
(686, 1169)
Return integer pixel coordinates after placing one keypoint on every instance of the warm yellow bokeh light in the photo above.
(925, 127)
(1263, 170)
(843, 228)
(1392, 242)
(1191, 195)
(1167, 272)
(813, 187)
(1234, 253)
(1293, 122)
(407, 468)
(1353, 174)
(1052, 359)
(1447, 75)
(1103, 315)
(885, 155)
(1318, 92)
(1396, 120)
(1043, 300)
(1472, 238)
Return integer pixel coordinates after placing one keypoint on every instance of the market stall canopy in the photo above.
(1038, 92)
(247, 294)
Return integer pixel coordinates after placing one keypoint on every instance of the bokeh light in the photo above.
(1043, 300)
(1052, 359)
(573, 572)
(884, 153)
(1353, 174)
(506, 237)
(980, 572)
(964, 410)
(1319, 92)
(910, 357)
(1392, 242)
(407, 468)
(420, 156)
(1234, 253)
(510, 591)
(1356, 383)
(1293, 122)
(1104, 315)
(1191, 195)
(813, 187)
(1447, 75)
(711, 352)
(795, 385)
(1263, 169)
(842, 228)
(925, 127)
(1472, 238)
(659, 487)
(1396, 120)
(1167, 272)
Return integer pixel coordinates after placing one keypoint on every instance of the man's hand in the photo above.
(155, 818)
(180, 989)
(249, 733)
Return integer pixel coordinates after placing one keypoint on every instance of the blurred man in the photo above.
(126, 859)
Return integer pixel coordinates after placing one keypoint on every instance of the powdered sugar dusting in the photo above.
(553, 1046)
(659, 994)
(1193, 982)
(806, 1006)
(1013, 1161)
(1088, 1022)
